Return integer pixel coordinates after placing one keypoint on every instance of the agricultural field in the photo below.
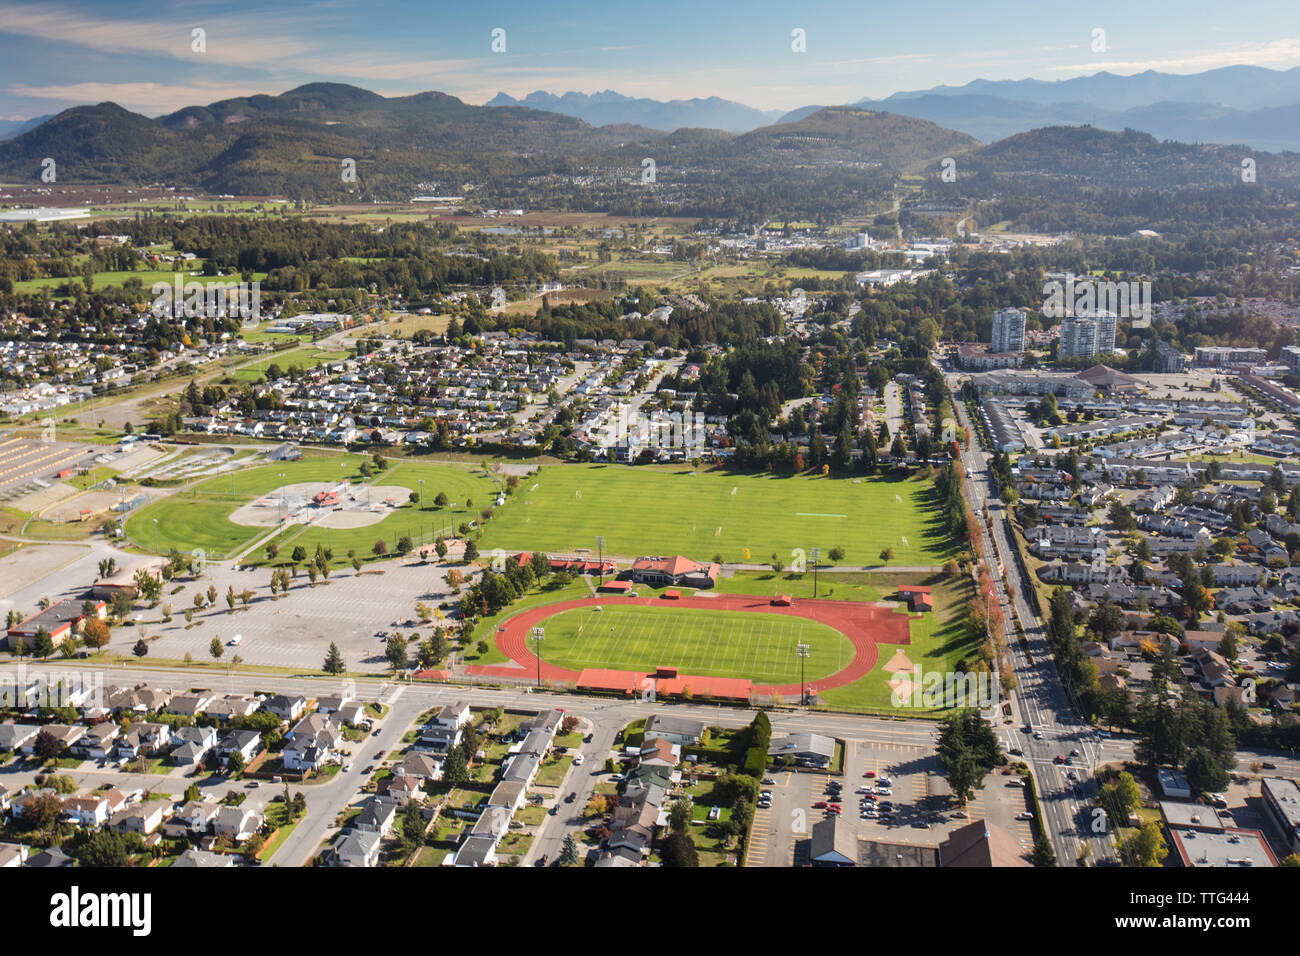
(741, 518)
(200, 516)
(760, 647)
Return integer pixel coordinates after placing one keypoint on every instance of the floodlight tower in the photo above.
(537, 635)
(802, 651)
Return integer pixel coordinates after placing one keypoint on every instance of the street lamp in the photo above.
(421, 496)
(155, 534)
(600, 547)
(816, 555)
(802, 651)
(537, 635)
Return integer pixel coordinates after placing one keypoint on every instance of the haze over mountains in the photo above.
(1250, 105)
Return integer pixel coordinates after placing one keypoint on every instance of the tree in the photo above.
(272, 551)
(140, 649)
(46, 746)
(44, 645)
(96, 633)
(412, 825)
(395, 651)
(836, 554)
(455, 770)
(1146, 847)
(678, 850)
(1204, 773)
(471, 550)
(1044, 855)
(679, 817)
(441, 547)
(334, 660)
(569, 853)
(380, 548)
(886, 555)
(216, 649)
(101, 848)
(968, 749)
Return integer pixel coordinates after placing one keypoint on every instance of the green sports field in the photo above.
(707, 643)
(652, 510)
(199, 517)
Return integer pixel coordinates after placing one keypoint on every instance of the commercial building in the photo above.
(1008, 331)
(1216, 356)
(1282, 802)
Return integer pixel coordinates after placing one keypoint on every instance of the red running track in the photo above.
(865, 625)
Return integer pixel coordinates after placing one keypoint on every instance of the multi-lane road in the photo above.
(1076, 828)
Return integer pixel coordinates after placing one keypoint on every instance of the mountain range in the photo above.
(603, 109)
(1249, 105)
(830, 163)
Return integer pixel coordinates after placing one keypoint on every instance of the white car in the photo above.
(1024, 815)
(577, 761)
(884, 791)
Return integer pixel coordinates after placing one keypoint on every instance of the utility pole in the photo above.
(816, 555)
(600, 548)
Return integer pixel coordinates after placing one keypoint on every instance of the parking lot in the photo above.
(295, 630)
(909, 803)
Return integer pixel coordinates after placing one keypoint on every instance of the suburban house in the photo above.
(246, 743)
(377, 815)
(678, 730)
(357, 848)
(88, 811)
(194, 858)
(191, 745)
(193, 819)
(421, 766)
(142, 818)
(286, 707)
(237, 823)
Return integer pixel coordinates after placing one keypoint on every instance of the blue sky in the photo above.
(55, 54)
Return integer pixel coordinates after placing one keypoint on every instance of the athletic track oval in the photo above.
(865, 625)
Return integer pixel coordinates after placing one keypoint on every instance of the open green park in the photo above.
(199, 516)
(744, 518)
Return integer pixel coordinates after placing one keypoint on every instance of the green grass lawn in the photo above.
(307, 357)
(199, 517)
(939, 641)
(704, 642)
(653, 510)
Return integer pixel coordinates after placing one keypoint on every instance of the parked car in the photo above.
(820, 805)
(768, 781)
(1024, 815)
(577, 761)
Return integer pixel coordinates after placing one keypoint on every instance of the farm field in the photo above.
(649, 510)
(760, 647)
(199, 517)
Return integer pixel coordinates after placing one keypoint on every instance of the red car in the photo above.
(1058, 759)
(820, 805)
(869, 773)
